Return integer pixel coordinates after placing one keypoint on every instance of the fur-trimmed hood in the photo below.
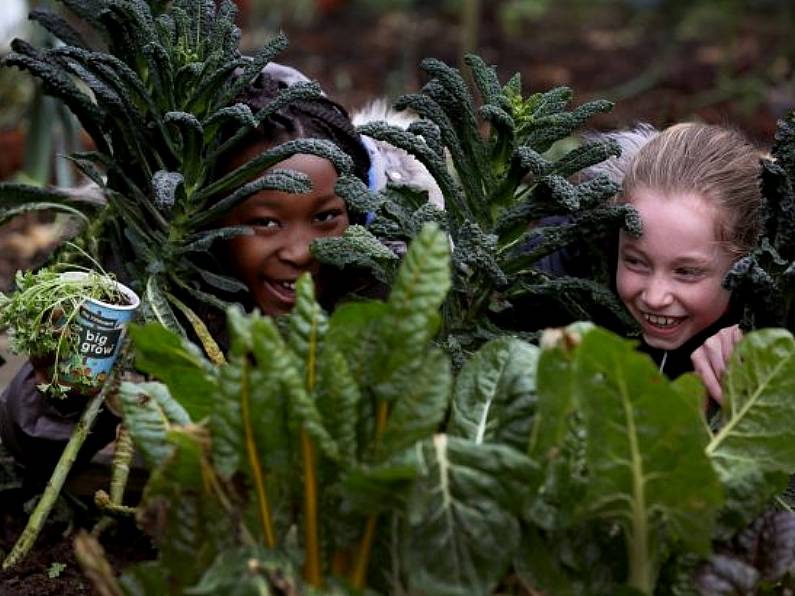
(389, 163)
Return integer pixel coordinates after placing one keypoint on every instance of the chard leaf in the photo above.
(418, 413)
(149, 413)
(758, 409)
(190, 378)
(495, 394)
(191, 522)
(144, 579)
(249, 570)
(353, 330)
(727, 576)
(555, 379)
(769, 543)
(225, 421)
(338, 399)
(645, 453)
(413, 318)
(460, 530)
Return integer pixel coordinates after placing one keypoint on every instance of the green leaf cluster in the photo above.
(40, 319)
(503, 172)
(334, 453)
(158, 102)
(763, 279)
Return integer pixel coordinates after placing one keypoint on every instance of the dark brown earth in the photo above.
(654, 73)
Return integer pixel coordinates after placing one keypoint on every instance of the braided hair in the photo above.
(315, 118)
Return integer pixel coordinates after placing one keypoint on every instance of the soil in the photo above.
(51, 568)
(357, 56)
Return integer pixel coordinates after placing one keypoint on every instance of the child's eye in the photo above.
(689, 272)
(266, 223)
(632, 262)
(328, 216)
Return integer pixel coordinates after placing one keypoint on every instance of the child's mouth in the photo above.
(284, 290)
(661, 322)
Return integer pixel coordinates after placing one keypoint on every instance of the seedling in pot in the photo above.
(62, 320)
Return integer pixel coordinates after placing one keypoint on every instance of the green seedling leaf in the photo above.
(645, 454)
(495, 394)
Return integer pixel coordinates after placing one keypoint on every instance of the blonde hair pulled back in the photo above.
(719, 164)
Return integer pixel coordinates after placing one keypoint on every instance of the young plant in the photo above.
(156, 104)
(509, 203)
(40, 316)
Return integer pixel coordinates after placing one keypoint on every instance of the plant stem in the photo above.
(312, 573)
(91, 556)
(254, 461)
(359, 572)
(53, 488)
(122, 456)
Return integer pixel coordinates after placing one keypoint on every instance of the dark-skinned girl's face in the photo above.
(270, 261)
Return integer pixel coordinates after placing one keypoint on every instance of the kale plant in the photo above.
(501, 189)
(155, 102)
(765, 279)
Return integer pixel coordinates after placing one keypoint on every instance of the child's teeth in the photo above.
(660, 321)
(290, 285)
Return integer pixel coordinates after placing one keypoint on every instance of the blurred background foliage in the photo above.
(661, 61)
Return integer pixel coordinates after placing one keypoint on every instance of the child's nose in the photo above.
(295, 249)
(657, 294)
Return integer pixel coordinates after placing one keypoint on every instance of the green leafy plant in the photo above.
(764, 279)
(326, 446)
(40, 317)
(287, 416)
(156, 104)
(503, 186)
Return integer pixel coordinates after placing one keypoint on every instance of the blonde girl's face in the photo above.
(670, 277)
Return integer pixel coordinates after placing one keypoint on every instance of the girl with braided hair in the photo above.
(271, 259)
(268, 262)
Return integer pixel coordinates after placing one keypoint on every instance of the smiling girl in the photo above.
(696, 189)
(270, 260)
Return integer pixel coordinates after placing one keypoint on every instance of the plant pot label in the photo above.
(99, 338)
(101, 328)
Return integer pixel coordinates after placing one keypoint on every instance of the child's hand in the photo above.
(709, 361)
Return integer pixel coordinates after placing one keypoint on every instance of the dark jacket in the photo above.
(36, 428)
